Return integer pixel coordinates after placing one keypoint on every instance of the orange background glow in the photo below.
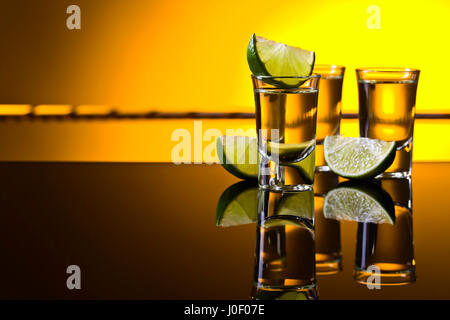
(190, 55)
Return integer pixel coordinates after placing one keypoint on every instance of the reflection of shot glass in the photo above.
(388, 247)
(286, 110)
(328, 107)
(328, 231)
(387, 99)
(285, 257)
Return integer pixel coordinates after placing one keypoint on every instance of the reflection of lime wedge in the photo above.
(358, 158)
(359, 201)
(237, 205)
(300, 204)
(288, 150)
(280, 295)
(279, 222)
(292, 296)
(239, 155)
(269, 58)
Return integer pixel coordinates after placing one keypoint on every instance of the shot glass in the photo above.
(286, 117)
(329, 107)
(385, 252)
(387, 100)
(285, 256)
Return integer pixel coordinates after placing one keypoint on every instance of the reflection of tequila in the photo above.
(286, 122)
(386, 112)
(328, 231)
(328, 107)
(285, 256)
(389, 247)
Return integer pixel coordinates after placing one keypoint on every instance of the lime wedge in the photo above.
(358, 158)
(305, 168)
(359, 201)
(300, 204)
(280, 295)
(269, 58)
(278, 222)
(239, 155)
(289, 151)
(237, 205)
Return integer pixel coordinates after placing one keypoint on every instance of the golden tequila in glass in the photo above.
(286, 124)
(385, 246)
(387, 99)
(329, 107)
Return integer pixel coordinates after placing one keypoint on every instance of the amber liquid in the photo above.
(285, 257)
(287, 116)
(386, 112)
(328, 112)
(389, 247)
(328, 231)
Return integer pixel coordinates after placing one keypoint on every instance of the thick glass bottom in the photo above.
(264, 292)
(328, 267)
(395, 175)
(386, 278)
(279, 188)
(323, 169)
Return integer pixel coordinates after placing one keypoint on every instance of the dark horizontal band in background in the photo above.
(181, 115)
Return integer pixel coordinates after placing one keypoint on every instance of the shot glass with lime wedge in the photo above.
(286, 105)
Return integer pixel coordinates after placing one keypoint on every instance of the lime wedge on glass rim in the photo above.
(358, 158)
(269, 58)
(359, 201)
(239, 155)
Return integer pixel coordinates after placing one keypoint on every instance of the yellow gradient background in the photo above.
(190, 55)
(187, 56)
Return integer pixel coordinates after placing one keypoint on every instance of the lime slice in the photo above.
(237, 205)
(358, 158)
(289, 151)
(300, 204)
(305, 167)
(359, 201)
(269, 58)
(292, 296)
(281, 222)
(239, 155)
(280, 295)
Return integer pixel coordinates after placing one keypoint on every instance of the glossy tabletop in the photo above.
(148, 231)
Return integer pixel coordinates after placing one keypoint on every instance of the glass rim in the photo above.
(331, 66)
(386, 70)
(312, 76)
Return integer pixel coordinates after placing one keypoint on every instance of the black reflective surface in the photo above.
(148, 231)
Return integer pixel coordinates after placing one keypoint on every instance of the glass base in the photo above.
(261, 292)
(395, 175)
(329, 267)
(280, 188)
(387, 278)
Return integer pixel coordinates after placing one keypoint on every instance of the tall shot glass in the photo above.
(329, 107)
(387, 100)
(286, 116)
